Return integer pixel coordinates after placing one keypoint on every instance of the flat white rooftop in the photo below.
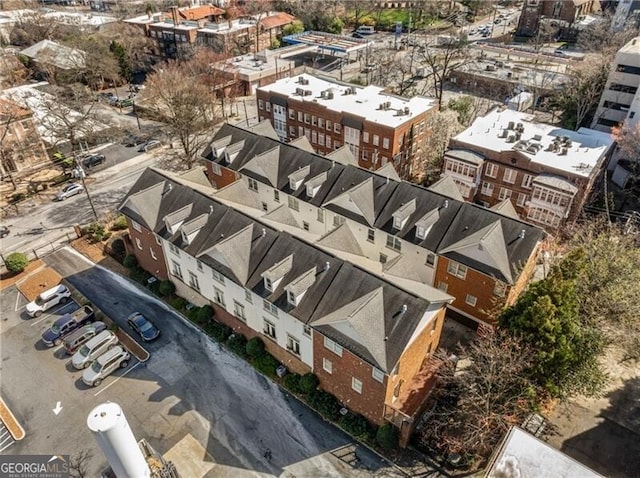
(587, 148)
(523, 455)
(365, 102)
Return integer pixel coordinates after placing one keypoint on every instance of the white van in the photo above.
(47, 299)
(365, 30)
(93, 349)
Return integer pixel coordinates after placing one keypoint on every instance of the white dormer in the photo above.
(231, 151)
(218, 147)
(314, 184)
(297, 288)
(426, 222)
(296, 178)
(191, 229)
(274, 275)
(401, 216)
(174, 220)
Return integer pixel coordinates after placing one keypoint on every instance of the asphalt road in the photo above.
(190, 386)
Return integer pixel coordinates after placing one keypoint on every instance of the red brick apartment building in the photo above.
(368, 340)
(561, 14)
(377, 127)
(545, 172)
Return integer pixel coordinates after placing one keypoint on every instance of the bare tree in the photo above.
(33, 27)
(182, 95)
(479, 396)
(604, 38)
(79, 464)
(442, 60)
(358, 10)
(140, 49)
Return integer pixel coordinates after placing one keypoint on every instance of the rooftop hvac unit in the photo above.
(564, 151)
(308, 92)
(518, 135)
(510, 125)
(388, 104)
(537, 137)
(511, 139)
(329, 95)
(406, 110)
(299, 91)
(323, 94)
(301, 80)
(568, 143)
(504, 134)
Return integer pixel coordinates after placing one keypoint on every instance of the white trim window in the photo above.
(491, 170)
(522, 199)
(136, 226)
(499, 289)
(216, 169)
(269, 329)
(253, 184)
(377, 374)
(487, 189)
(248, 296)
(394, 242)
(327, 365)
(176, 270)
(238, 311)
(217, 276)
(293, 345)
(269, 307)
(527, 179)
(505, 193)
(334, 347)
(356, 384)
(218, 296)
(456, 269)
(471, 300)
(260, 104)
(510, 176)
(306, 330)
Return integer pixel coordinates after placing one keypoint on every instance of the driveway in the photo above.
(190, 388)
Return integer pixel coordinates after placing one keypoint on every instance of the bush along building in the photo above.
(544, 172)
(414, 237)
(367, 340)
(377, 127)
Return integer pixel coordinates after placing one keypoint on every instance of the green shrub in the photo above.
(308, 383)
(325, 403)
(130, 261)
(120, 224)
(387, 436)
(238, 343)
(17, 197)
(291, 382)
(267, 364)
(118, 249)
(106, 236)
(96, 231)
(192, 314)
(167, 288)
(218, 331)
(179, 303)
(205, 314)
(16, 262)
(255, 347)
(154, 287)
(139, 275)
(356, 425)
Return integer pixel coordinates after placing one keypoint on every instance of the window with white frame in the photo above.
(334, 347)
(269, 307)
(217, 276)
(504, 194)
(216, 169)
(371, 235)
(300, 131)
(551, 197)
(136, 226)
(522, 199)
(307, 133)
(138, 243)
(248, 296)
(292, 114)
(314, 120)
(491, 170)
(153, 254)
(510, 176)
(328, 141)
(527, 179)
(337, 220)
(260, 104)
(253, 184)
(307, 118)
(337, 127)
(461, 168)
(293, 344)
(269, 329)
(376, 140)
(320, 215)
(377, 374)
(193, 281)
(276, 195)
(293, 203)
(394, 242)
(320, 122)
(300, 116)
(487, 189)
(356, 384)
(306, 330)
(328, 125)
(365, 137)
(431, 259)
(456, 269)
(305, 225)
(265, 206)
(174, 249)
(499, 289)
(327, 366)
(314, 137)
(176, 270)
(471, 300)
(218, 296)
(199, 265)
(268, 106)
(385, 143)
(544, 216)
(321, 139)
(238, 311)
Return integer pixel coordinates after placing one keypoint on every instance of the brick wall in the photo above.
(143, 251)
(225, 177)
(369, 403)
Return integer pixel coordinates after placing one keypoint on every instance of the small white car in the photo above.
(69, 190)
(105, 365)
(48, 299)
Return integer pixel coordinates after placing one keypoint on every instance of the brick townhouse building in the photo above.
(367, 340)
(560, 14)
(414, 237)
(378, 127)
(21, 148)
(545, 171)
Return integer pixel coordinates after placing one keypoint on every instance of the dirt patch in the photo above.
(96, 253)
(8, 279)
(38, 281)
(9, 420)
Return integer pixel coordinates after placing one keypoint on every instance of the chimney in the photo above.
(446, 204)
(264, 232)
(404, 309)
(211, 209)
(327, 265)
(521, 235)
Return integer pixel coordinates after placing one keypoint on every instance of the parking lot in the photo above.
(190, 389)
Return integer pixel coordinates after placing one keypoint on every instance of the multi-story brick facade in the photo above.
(545, 171)
(21, 148)
(397, 230)
(368, 341)
(561, 14)
(377, 127)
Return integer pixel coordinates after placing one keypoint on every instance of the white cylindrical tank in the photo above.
(112, 432)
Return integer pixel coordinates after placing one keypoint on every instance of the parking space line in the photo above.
(17, 301)
(117, 378)
(46, 316)
(6, 440)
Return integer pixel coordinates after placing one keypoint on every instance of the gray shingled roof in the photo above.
(265, 164)
(406, 210)
(264, 128)
(465, 155)
(303, 143)
(279, 269)
(341, 239)
(408, 268)
(146, 204)
(343, 155)
(556, 182)
(282, 215)
(239, 193)
(388, 171)
(358, 199)
(234, 252)
(505, 207)
(447, 187)
(174, 219)
(194, 225)
(300, 174)
(302, 282)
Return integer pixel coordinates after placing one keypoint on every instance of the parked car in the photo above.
(68, 191)
(47, 299)
(143, 327)
(93, 160)
(125, 103)
(134, 140)
(149, 145)
(93, 349)
(83, 335)
(4, 231)
(66, 324)
(103, 366)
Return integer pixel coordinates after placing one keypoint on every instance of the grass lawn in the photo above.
(386, 19)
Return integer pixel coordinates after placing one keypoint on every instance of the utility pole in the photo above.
(84, 185)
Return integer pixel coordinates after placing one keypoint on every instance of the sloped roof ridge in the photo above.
(283, 215)
(147, 210)
(267, 164)
(280, 268)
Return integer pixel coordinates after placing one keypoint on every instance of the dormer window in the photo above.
(401, 216)
(296, 179)
(291, 298)
(295, 184)
(314, 184)
(398, 222)
(421, 232)
(268, 284)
